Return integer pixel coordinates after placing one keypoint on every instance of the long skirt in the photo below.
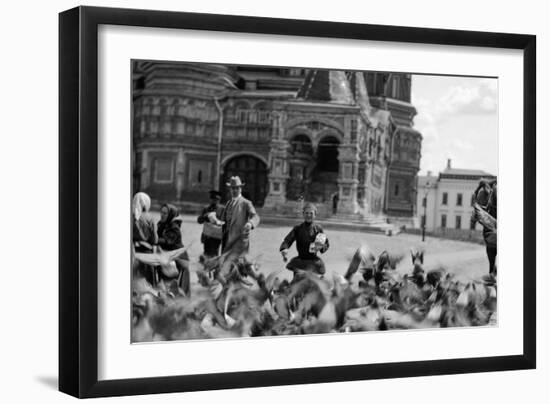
(314, 265)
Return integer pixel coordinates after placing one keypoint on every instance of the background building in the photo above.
(445, 201)
(290, 134)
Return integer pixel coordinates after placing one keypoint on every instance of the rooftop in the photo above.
(326, 86)
(423, 180)
(465, 172)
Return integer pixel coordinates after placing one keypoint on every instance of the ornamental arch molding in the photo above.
(303, 121)
(244, 153)
(328, 132)
(296, 131)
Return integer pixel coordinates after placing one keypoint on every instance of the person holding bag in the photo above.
(211, 236)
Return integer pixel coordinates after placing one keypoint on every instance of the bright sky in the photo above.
(457, 117)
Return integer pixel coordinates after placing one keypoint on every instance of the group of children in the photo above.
(149, 237)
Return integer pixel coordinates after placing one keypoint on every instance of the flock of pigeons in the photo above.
(371, 296)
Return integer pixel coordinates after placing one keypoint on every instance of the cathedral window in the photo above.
(164, 170)
(156, 110)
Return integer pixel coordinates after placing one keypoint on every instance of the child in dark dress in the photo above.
(169, 238)
(310, 239)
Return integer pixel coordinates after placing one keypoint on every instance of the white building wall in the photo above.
(435, 207)
(431, 197)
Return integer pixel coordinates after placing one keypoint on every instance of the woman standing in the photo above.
(485, 212)
(169, 238)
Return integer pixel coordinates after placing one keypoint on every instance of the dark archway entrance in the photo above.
(324, 179)
(327, 154)
(253, 172)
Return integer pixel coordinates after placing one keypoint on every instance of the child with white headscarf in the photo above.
(144, 236)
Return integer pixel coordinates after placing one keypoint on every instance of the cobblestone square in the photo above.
(466, 260)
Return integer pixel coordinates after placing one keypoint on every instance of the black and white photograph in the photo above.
(280, 201)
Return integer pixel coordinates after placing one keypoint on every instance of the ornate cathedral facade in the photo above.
(342, 139)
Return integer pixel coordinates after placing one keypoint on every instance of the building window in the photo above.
(458, 222)
(166, 127)
(199, 175)
(180, 127)
(424, 201)
(164, 170)
(445, 197)
(458, 199)
(396, 190)
(443, 221)
(294, 72)
(395, 87)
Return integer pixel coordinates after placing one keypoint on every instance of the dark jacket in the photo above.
(304, 234)
(169, 235)
(236, 215)
(169, 231)
(492, 204)
(213, 207)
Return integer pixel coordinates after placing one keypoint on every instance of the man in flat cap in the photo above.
(210, 218)
(239, 217)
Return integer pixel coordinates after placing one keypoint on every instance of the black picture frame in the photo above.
(78, 196)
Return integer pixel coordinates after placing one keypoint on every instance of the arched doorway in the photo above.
(253, 172)
(324, 178)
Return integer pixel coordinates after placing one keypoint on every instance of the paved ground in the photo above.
(467, 260)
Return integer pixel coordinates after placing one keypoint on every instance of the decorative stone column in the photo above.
(278, 164)
(278, 173)
(362, 186)
(362, 176)
(348, 168)
(180, 173)
(348, 157)
(144, 172)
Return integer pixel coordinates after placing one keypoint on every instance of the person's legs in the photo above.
(319, 266)
(227, 266)
(184, 281)
(492, 255)
(211, 247)
(295, 265)
(150, 273)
